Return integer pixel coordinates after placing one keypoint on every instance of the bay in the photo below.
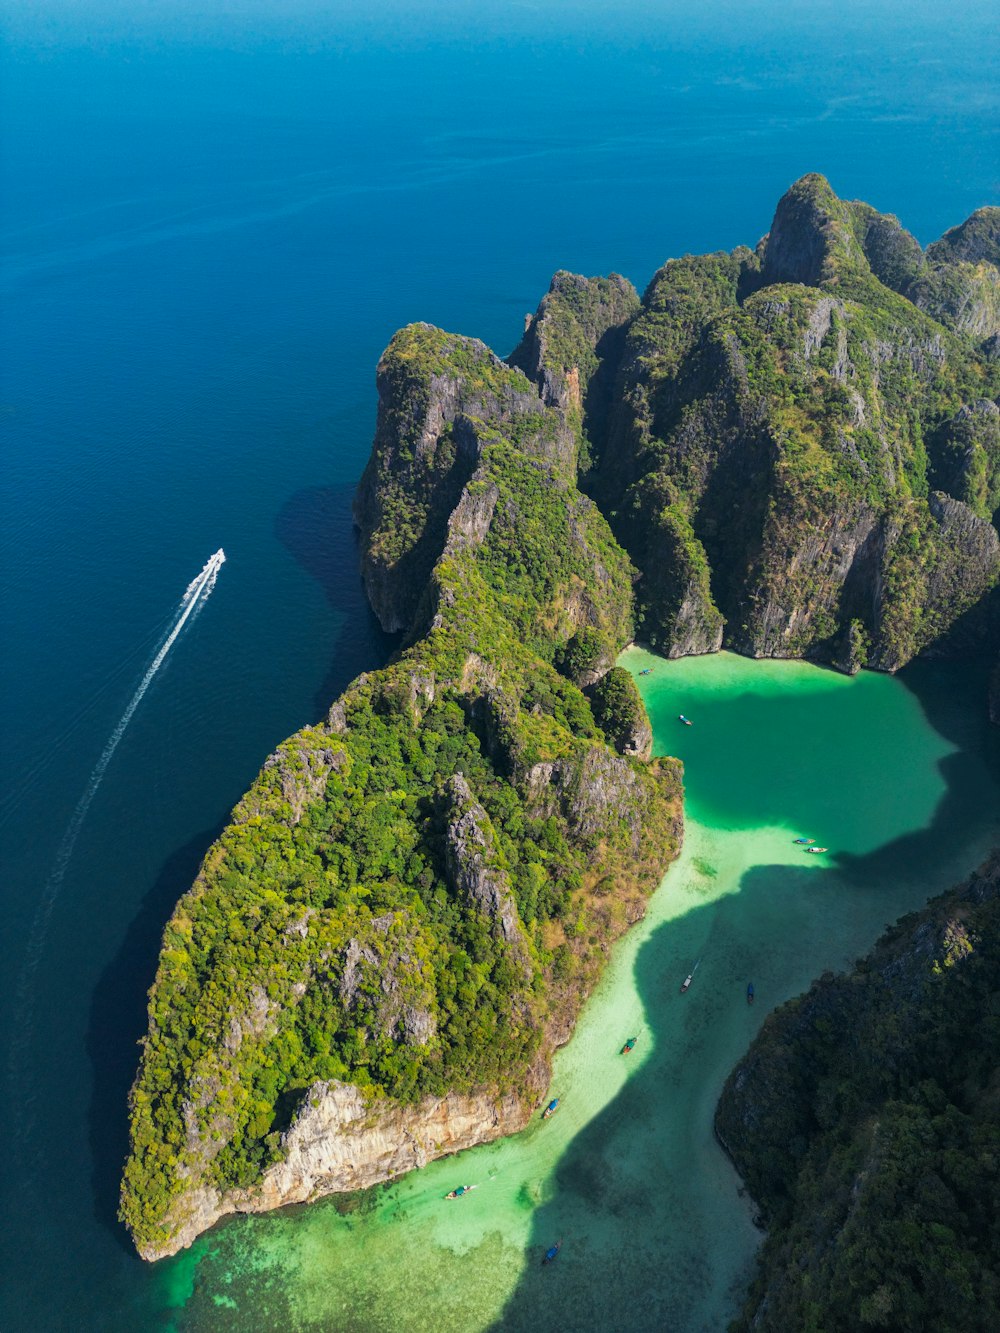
(902, 781)
(212, 224)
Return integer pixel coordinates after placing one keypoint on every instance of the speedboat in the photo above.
(687, 982)
(550, 1108)
(686, 720)
(462, 1190)
(750, 992)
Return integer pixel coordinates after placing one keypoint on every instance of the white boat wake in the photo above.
(195, 596)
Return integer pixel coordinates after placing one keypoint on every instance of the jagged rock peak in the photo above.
(811, 236)
(474, 863)
(974, 240)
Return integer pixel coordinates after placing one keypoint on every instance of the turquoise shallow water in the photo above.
(900, 778)
(214, 218)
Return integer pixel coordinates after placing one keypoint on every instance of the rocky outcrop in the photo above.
(303, 773)
(965, 454)
(591, 794)
(437, 395)
(384, 985)
(475, 869)
(973, 241)
(860, 1121)
(810, 237)
(572, 346)
(780, 424)
(340, 1142)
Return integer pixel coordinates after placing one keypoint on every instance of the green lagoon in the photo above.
(899, 778)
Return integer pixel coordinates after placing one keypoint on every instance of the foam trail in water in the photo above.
(194, 596)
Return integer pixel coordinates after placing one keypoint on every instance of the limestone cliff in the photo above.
(340, 1141)
(792, 451)
(780, 423)
(864, 1122)
(413, 900)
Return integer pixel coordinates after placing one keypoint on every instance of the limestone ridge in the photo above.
(411, 903)
(797, 453)
(428, 442)
(780, 421)
(864, 1122)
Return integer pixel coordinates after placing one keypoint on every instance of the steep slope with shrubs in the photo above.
(865, 1120)
(412, 901)
(791, 451)
(802, 456)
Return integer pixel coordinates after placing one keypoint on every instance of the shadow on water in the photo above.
(118, 1022)
(317, 528)
(643, 1199)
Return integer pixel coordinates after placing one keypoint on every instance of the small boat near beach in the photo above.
(646, 671)
(804, 842)
(551, 1108)
(627, 1048)
(460, 1192)
(816, 850)
(551, 1253)
(686, 720)
(750, 992)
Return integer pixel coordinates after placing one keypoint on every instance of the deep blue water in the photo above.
(210, 229)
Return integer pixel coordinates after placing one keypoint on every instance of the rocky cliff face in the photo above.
(792, 451)
(414, 899)
(572, 346)
(863, 1120)
(780, 422)
(432, 411)
(340, 1141)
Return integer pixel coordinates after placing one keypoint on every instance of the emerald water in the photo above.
(899, 778)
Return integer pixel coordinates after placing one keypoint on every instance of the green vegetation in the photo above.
(798, 452)
(779, 427)
(586, 654)
(618, 708)
(865, 1122)
(332, 932)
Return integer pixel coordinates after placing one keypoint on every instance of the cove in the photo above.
(899, 778)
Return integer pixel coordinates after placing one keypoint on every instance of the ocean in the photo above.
(211, 226)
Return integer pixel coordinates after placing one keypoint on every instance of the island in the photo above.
(786, 451)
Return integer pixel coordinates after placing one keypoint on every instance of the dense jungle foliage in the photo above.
(792, 450)
(866, 1123)
(780, 420)
(332, 932)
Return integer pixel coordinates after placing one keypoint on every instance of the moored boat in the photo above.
(460, 1192)
(553, 1104)
(627, 1048)
(551, 1253)
(686, 720)
(690, 977)
(805, 842)
(750, 992)
(816, 850)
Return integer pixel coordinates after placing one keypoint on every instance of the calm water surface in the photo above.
(899, 780)
(211, 227)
